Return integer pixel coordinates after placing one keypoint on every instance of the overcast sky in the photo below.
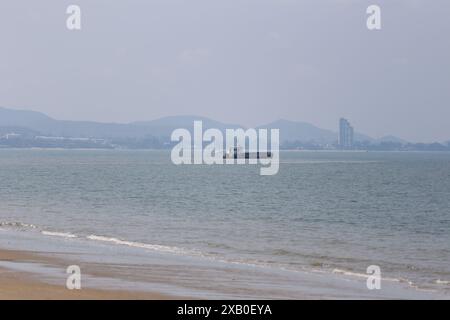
(239, 61)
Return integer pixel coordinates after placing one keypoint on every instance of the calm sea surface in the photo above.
(332, 211)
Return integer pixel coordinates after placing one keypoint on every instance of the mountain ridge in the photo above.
(290, 131)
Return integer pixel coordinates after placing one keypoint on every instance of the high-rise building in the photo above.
(345, 134)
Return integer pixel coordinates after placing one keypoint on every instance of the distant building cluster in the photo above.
(345, 134)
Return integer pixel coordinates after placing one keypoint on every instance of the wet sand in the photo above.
(20, 285)
(42, 275)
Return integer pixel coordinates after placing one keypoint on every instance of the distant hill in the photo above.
(25, 132)
(165, 126)
(23, 118)
(301, 131)
(36, 122)
(87, 129)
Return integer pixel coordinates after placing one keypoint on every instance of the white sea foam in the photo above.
(349, 273)
(59, 234)
(17, 224)
(141, 245)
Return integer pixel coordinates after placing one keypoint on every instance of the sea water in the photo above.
(330, 212)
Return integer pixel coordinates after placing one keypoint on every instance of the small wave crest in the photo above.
(141, 245)
(59, 234)
(349, 273)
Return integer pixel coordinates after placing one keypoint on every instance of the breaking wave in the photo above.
(59, 234)
(141, 245)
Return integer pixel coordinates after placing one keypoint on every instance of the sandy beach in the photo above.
(16, 285)
(30, 275)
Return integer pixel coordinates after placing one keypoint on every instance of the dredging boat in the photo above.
(236, 153)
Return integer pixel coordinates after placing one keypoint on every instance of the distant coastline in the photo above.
(29, 129)
(390, 148)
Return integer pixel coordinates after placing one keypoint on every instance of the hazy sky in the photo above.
(239, 61)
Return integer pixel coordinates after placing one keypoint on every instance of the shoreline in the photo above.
(38, 275)
(33, 261)
(18, 285)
